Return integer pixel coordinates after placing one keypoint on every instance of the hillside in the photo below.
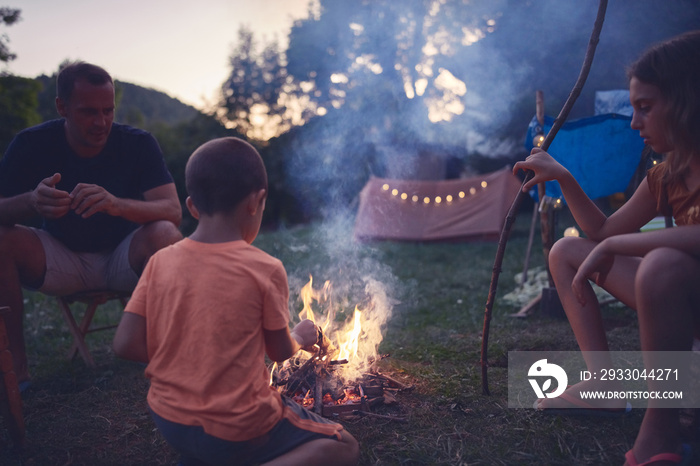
(136, 105)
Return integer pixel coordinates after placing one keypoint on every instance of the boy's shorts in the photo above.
(298, 426)
(68, 272)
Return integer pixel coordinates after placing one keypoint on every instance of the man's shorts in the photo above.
(68, 272)
(297, 426)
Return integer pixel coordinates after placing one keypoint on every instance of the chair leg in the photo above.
(79, 332)
(10, 397)
(9, 390)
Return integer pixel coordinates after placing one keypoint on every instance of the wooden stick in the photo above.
(358, 412)
(510, 218)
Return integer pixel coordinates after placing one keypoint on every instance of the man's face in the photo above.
(89, 114)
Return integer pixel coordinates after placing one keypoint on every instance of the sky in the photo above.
(179, 47)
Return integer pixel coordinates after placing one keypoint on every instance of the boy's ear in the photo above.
(192, 208)
(256, 201)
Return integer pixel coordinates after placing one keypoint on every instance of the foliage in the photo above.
(8, 17)
(18, 103)
(385, 84)
(251, 96)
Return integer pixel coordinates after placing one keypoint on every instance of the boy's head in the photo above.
(223, 172)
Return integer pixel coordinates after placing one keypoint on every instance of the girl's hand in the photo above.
(596, 266)
(543, 165)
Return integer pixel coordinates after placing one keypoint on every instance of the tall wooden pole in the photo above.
(510, 218)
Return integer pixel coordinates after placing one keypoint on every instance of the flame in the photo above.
(309, 295)
(355, 340)
(349, 340)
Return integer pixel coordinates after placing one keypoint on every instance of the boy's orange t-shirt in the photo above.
(206, 306)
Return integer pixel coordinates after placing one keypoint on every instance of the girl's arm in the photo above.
(595, 225)
(600, 260)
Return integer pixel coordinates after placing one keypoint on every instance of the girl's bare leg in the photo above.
(668, 305)
(586, 320)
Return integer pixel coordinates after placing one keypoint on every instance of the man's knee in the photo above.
(22, 250)
(157, 235)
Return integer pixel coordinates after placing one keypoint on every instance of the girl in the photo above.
(657, 273)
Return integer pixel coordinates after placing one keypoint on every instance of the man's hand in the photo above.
(88, 199)
(48, 201)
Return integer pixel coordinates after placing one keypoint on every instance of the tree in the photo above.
(252, 93)
(18, 107)
(8, 16)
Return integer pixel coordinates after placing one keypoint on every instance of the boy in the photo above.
(203, 315)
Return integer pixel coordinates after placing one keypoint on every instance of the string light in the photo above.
(448, 198)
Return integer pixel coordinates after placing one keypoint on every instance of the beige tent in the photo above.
(459, 210)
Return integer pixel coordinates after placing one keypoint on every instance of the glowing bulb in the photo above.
(394, 192)
(414, 198)
(461, 194)
(438, 200)
(448, 198)
(404, 196)
(538, 140)
(426, 200)
(484, 184)
(385, 187)
(571, 231)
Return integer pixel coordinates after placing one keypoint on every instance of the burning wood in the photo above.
(315, 379)
(319, 383)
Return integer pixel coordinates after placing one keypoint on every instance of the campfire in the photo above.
(340, 378)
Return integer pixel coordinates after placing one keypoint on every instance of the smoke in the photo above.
(492, 57)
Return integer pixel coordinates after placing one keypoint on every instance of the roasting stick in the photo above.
(510, 218)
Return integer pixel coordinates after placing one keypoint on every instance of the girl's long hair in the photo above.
(674, 67)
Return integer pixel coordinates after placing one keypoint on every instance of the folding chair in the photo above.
(10, 397)
(92, 299)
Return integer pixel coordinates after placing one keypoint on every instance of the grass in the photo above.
(80, 416)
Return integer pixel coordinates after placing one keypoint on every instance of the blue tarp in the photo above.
(601, 152)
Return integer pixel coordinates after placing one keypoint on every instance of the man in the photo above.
(105, 196)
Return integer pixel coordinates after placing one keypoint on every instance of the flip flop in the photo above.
(682, 460)
(582, 408)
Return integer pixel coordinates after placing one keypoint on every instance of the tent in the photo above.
(602, 152)
(460, 209)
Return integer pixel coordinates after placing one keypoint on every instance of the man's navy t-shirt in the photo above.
(130, 164)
